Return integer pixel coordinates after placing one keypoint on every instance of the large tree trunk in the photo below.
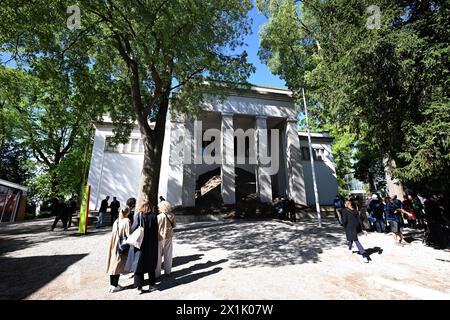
(394, 186)
(153, 144)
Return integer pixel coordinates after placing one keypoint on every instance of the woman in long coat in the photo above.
(144, 260)
(353, 225)
(166, 224)
(115, 263)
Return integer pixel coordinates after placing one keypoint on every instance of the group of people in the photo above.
(114, 207)
(158, 226)
(430, 212)
(285, 208)
(64, 211)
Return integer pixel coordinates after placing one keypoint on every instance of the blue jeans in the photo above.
(358, 245)
(101, 218)
(380, 226)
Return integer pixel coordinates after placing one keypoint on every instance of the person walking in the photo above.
(115, 205)
(353, 225)
(393, 216)
(102, 212)
(144, 259)
(166, 226)
(115, 263)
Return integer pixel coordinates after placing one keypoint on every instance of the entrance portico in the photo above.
(244, 148)
(251, 133)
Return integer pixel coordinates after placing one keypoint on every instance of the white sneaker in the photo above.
(111, 288)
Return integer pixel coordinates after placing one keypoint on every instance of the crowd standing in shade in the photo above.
(285, 208)
(426, 212)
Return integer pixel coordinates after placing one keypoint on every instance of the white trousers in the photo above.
(164, 249)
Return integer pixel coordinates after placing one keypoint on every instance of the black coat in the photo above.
(144, 260)
(352, 223)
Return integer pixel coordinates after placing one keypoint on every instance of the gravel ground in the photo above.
(226, 260)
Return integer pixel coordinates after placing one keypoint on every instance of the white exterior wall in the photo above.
(120, 174)
(325, 174)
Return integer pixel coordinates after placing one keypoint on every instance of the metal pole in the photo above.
(316, 194)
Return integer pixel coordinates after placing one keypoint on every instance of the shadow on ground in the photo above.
(21, 277)
(27, 235)
(264, 243)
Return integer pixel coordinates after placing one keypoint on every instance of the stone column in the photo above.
(175, 166)
(294, 167)
(227, 153)
(189, 176)
(263, 178)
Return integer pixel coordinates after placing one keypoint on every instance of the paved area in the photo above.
(227, 260)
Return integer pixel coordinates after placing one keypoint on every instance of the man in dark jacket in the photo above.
(115, 205)
(102, 212)
(353, 225)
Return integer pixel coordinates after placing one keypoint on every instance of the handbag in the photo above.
(135, 239)
(122, 246)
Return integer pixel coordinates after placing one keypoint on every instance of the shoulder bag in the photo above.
(135, 239)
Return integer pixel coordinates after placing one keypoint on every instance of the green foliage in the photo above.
(128, 59)
(14, 163)
(383, 84)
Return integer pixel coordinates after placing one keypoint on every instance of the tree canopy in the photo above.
(387, 83)
(136, 55)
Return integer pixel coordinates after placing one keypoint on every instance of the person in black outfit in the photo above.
(131, 203)
(61, 214)
(115, 205)
(144, 260)
(71, 211)
(434, 215)
(353, 225)
(291, 210)
(102, 212)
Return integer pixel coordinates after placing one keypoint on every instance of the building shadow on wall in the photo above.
(21, 277)
(258, 243)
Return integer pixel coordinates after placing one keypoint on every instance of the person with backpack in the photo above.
(118, 251)
(166, 226)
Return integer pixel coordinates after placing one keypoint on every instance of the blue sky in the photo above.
(262, 76)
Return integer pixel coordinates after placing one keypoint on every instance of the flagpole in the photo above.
(316, 194)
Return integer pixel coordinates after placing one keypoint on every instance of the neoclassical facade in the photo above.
(245, 147)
